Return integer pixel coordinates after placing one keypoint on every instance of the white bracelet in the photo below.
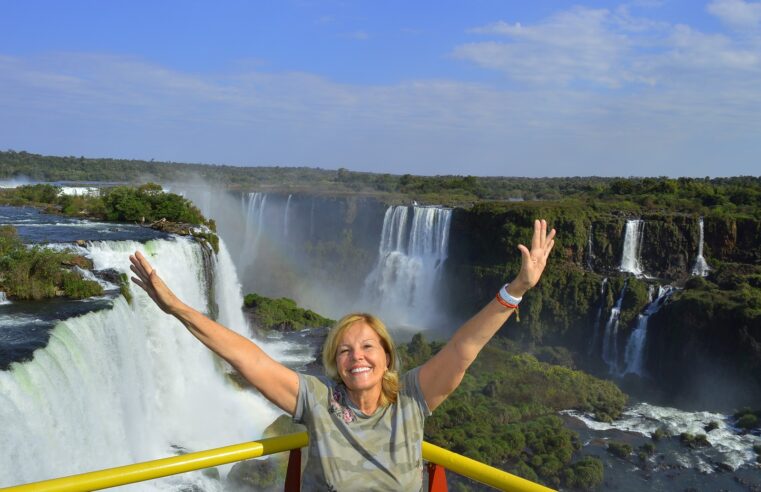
(507, 297)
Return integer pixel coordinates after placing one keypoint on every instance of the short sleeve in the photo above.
(310, 389)
(411, 387)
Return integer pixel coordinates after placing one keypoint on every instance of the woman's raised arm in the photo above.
(442, 374)
(277, 383)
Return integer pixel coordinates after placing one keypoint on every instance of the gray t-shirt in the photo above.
(349, 450)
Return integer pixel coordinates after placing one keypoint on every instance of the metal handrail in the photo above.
(149, 470)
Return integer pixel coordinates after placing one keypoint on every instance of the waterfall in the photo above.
(228, 293)
(285, 218)
(3, 298)
(254, 224)
(403, 285)
(630, 258)
(590, 254)
(127, 384)
(610, 337)
(701, 268)
(634, 354)
(595, 330)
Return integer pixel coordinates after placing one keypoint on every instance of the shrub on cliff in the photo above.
(38, 273)
(282, 313)
(147, 204)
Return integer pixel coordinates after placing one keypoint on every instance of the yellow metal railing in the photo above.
(149, 470)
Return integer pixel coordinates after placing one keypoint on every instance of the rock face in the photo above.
(690, 340)
(572, 305)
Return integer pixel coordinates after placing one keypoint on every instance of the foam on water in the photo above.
(735, 449)
(125, 384)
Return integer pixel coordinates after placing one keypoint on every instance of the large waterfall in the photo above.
(634, 354)
(701, 268)
(403, 286)
(129, 383)
(630, 257)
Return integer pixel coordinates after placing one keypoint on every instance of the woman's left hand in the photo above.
(533, 261)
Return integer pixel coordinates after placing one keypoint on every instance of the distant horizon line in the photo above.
(335, 170)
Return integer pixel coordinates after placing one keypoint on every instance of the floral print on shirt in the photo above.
(338, 406)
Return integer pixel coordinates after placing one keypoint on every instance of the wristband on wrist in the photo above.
(510, 302)
(507, 297)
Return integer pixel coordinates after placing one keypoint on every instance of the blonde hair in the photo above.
(390, 382)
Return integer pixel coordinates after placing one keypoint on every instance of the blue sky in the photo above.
(514, 88)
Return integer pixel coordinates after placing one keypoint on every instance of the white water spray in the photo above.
(735, 449)
(701, 268)
(634, 354)
(403, 286)
(630, 257)
(126, 384)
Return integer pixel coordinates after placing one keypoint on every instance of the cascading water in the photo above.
(285, 217)
(590, 254)
(403, 285)
(227, 292)
(129, 383)
(634, 354)
(610, 337)
(630, 257)
(701, 268)
(3, 298)
(254, 224)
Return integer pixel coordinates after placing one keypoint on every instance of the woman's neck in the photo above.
(367, 401)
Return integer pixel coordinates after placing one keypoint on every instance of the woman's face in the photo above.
(360, 358)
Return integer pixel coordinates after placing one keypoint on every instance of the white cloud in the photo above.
(600, 92)
(737, 13)
(614, 49)
(568, 46)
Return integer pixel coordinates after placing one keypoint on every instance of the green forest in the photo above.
(725, 195)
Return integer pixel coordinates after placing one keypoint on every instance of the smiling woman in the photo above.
(365, 423)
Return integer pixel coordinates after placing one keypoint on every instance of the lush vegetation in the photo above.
(144, 204)
(505, 413)
(693, 195)
(38, 272)
(619, 449)
(748, 419)
(282, 314)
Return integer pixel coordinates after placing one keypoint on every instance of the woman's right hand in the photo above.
(148, 280)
